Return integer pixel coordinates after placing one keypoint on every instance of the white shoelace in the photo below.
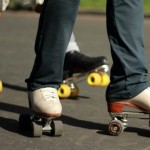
(49, 94)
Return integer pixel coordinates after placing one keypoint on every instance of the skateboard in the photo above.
(96, 77)
(39, 125)
(1, 86)
(119, 120)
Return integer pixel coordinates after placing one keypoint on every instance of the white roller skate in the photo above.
(45, 106)
(121, 110)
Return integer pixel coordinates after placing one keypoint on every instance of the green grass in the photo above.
(93, 4)
(101, 5)
(147, 6)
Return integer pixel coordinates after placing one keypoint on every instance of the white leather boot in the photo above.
(45, 102)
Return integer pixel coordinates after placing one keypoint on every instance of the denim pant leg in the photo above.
(55, 27)
(125, 33)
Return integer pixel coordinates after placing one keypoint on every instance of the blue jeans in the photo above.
(55, 27)
(125, 33)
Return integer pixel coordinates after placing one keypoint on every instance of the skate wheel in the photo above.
(25, 122)
(105, 79)
(57, 128)
(1, 86)
(94, 79)
(115, 127)
(74, 91)
(64, 91)
(36, 129)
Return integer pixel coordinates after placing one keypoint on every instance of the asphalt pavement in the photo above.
(85, 118)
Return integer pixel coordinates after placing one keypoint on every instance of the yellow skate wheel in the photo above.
(1, 86)
(105, 79)
(64, 91)
(94, 79)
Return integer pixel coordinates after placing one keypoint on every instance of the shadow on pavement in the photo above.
(24, 89)
(14, 87)
(12, 125)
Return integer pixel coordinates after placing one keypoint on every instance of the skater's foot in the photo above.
(140, 102)
(38, 8)
(76, 62)
(45, 102)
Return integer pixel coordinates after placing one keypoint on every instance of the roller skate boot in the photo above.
(45, 101)
(119, 111)
(76, 62)
(37, 5)
(77, 66)
(45, 106)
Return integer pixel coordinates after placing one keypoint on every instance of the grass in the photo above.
(147, 6)
(101, 5)
(96, 4)
(93, 4)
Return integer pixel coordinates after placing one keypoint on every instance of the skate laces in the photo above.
(49, 94)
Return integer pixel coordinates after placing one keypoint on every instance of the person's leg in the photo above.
(129, 71)
(73, 54)
(53, 35)
(72, 46)
(54, 31)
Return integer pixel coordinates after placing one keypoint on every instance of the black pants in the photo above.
(125, 33)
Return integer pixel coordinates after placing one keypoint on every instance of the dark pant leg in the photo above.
(54, 31)
(125, 33)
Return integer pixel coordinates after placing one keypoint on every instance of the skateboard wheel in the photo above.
(36, 129)
(105, 79)
(25, 122)
(94, 79)
(115, 127)
(57, 128)
(64, 91)
(1, 86)
(74, 91)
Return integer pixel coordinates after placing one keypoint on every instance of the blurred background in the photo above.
(85, 5)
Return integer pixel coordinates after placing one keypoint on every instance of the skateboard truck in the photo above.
(119, 121)
(40, 125)
(105, 68)
(96, 77)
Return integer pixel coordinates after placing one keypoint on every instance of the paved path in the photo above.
(85, 118)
